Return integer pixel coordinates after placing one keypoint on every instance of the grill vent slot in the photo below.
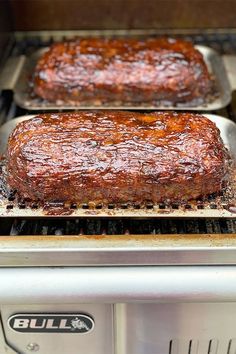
(194, 346)
(232, 347)
(213, 347)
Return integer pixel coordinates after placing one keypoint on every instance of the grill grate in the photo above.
(23, 43)
(120, 226)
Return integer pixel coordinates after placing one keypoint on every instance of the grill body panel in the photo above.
(173, 310)
(179, 329)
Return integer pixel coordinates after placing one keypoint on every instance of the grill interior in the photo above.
(121, 226)
(223, 42)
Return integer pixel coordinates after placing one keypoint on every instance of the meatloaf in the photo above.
(116, 157)
(123, 71)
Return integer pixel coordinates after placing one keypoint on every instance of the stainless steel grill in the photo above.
(153, 286)
(28, 43)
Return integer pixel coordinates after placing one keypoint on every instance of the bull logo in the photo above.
(51, 323)
(76, 323)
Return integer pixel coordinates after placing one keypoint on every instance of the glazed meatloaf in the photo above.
(116, 157)
(123, 71)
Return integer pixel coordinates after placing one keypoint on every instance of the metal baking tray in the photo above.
(18, 71)
(216, 207)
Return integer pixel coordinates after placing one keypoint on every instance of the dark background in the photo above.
(112, 14)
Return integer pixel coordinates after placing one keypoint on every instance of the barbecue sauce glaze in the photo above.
(116, 157)
(120, 71)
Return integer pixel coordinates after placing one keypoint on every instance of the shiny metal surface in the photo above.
(108, 285)
(212, 209)
(230, 65)
(4, 347)
(22, 96)
(135, 328)
(10, 73)
(117, 250)
(98, 341)
(182, 328)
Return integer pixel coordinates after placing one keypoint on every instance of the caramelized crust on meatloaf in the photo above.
(113, 157)
(93, 71)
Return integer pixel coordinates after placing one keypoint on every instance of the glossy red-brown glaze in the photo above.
(116, 157)
(97, 71)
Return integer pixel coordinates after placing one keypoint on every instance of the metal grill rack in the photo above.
(120, 226)
(27, 43)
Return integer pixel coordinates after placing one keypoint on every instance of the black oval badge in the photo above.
(51, 323)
